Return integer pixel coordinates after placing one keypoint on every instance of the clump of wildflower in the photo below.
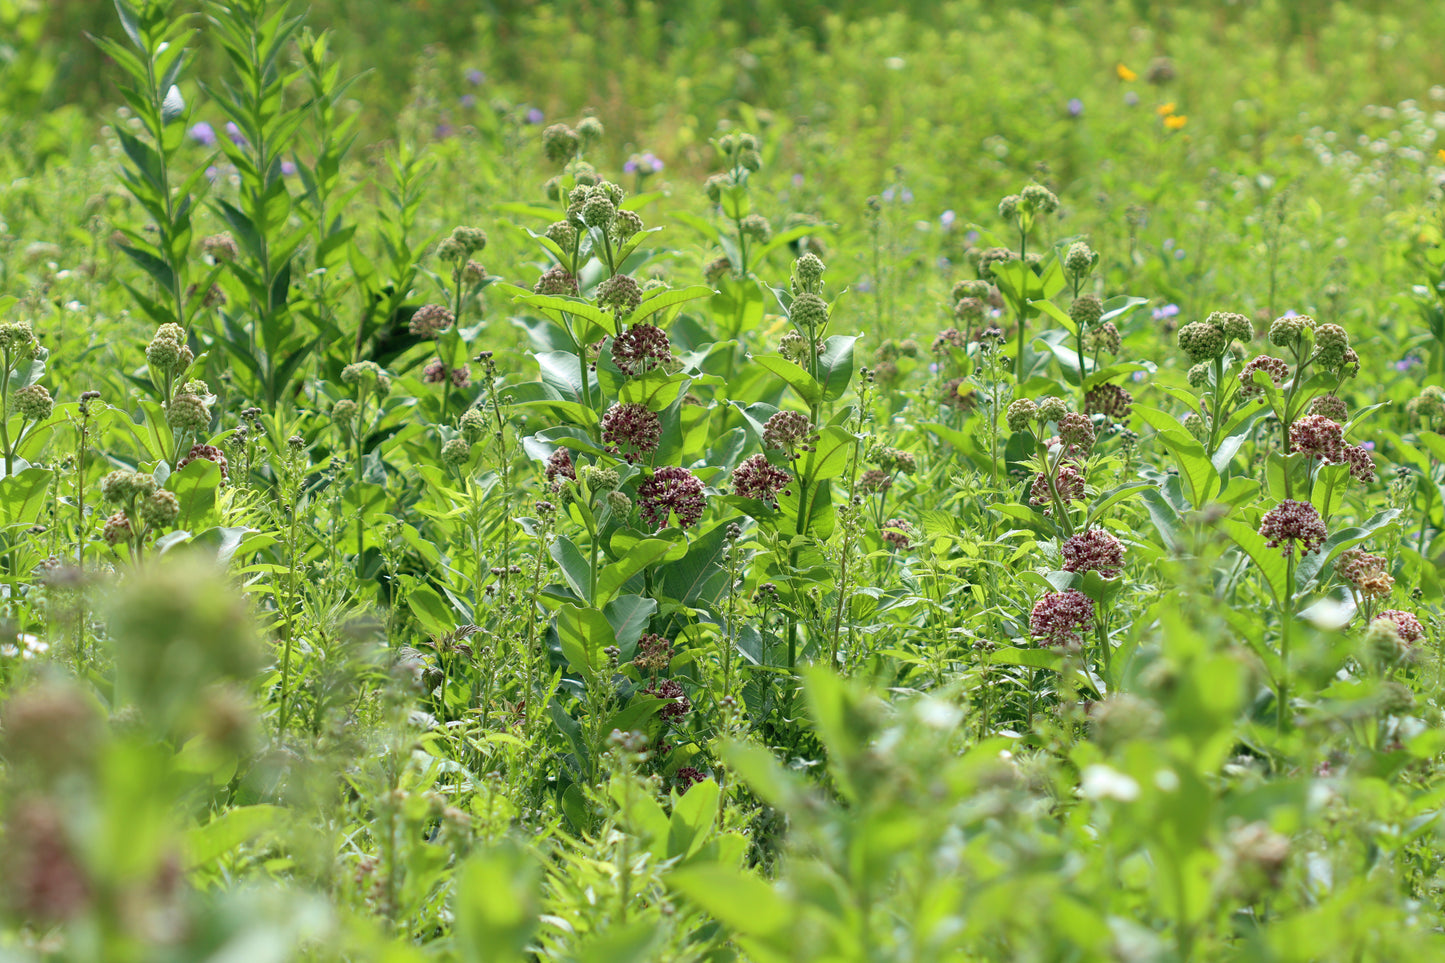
(671, 491)
(436, 372)
(557, 281)
(619, 294)
(686, 777)
(1318, 438)
(122, 487)
(1408, 627)
(1201, 341)
(1362, 467)
(756, 227)
(948, 339)
(1051, 408)
(168, 353)
(456, 452)
(1331, 406)
(1382, 641)
(1286, 332)
(1061, 618)
(1276, 369)
(992, 257)
(1076, 433)
(1093, 551)
(809, 312)
(875, 480)
(220, 247)
(788, 431)
(1293, 521)
(1038, 199)
(808, 274)
(17, 341)
(640, 349)
(559, 465)
(208, 453)
(893, 460)
(473, 424)
(654, 654)
(896, 533)
(117, 529)
(431, 320)
(161, 509)
(1104, 338)
(1365, 573)
(1020, 414)
(670, 690)
(1427, 409)
(1236, 327)
(560, 143)
(951, 394)
(1086, 311)
(1110, 400)
(1331, 345)
(597, 478)
(968, 311)
(631, 431)
(188, 413)
(1069, 482)
(756, 478)
(367, 375)
(33, 402)
(1080, 260)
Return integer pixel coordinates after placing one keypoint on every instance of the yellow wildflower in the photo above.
(1164, 110)
(1175, 121)
(1125, 74)
(1441, 153)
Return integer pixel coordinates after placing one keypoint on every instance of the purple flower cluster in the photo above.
(671, 491)
(1293, 521)
(756, 478)
(1094, 551)
(431, 320)
(1406, 625)
(640, 349)
(1060, 618)
(631, 431)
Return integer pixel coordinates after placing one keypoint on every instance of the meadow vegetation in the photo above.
(632, 481)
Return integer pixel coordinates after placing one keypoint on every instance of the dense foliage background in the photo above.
(695, 481)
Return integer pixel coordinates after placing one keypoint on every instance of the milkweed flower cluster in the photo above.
(1293, 521)
(756, 478)
(631, 431)
(671, 491)
(1061, 618)
(1094, 551)
(1365, 573)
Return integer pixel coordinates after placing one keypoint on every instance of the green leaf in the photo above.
(1271, 561)
(497, 904)
(636, 558)
(22, 495)
(667, 299)
(435, 615)
(628, 615)
(584, 633)
(195, 486)
(1033, 658)
(205, 844)
(1193, 464)
(738, 900)
(576, 569)
(835, 365)
(808, 389)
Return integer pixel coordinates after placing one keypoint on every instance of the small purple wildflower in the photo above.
(1407, 362)
(234, 132)
(1132, 99)
(1076, 107)
(475, 77)
(797, 180)
(443, 131)
(1165, 311)
(203, 134)
(467, 101)
(535, 116)
(288, 169)
(947, 218)
(971, 237)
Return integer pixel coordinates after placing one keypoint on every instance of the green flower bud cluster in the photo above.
(619, 294)
(456, 452)
(1202, 341)
(809, 313)
(590, 129)
(1236, 327)
(1104, 338)
(1331, 345)
(17, 341)
(808, 274)
(755, 227)
(122, 488)
(1428, 408)
(367, 376)
(1020, 414)
(1287, 332)
(1052, 409)
(344, 412)
(893, 460)
(189, 412)
(980, 290)
(473, 425)
(1086, 311)
(33, 402)
(560, 143)
(992, 257)
(461, 244)
(627, 225)
(562, 234)
(596, 478)
(168, 354)
(1080, 260)
(161, 509)
(741, 150)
